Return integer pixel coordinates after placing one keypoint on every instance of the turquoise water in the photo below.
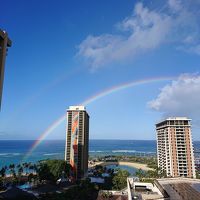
(131, 170)
(25, 186)
(14, 151)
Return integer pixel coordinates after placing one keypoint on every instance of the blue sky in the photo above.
(63, 52)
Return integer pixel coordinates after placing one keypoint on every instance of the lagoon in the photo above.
(131, 170)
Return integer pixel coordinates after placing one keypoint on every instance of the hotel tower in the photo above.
(174, 147)
(77, 137)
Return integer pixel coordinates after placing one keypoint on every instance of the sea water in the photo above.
(14, 151)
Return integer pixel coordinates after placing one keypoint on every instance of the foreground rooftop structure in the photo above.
(181, 188)
(144, 191)
(165, 189)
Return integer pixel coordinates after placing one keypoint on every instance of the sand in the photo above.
(130, 164)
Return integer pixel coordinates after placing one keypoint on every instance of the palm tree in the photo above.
(13, 173)
(120, 179)
(26, 166)
(3, 172)
(31, 167)
(20, 170)
(12, 169)
(140, 174)
(35, 168)
(18, 166)
(151, 174)
(6, 167)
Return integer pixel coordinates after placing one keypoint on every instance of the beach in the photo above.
(130, 164)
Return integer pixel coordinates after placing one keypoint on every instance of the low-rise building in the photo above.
(181, 188)
(143, 190)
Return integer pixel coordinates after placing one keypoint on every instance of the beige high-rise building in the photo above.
(4, 43)
(175, 148)
(77, 139)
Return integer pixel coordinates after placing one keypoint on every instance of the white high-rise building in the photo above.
(174, 147)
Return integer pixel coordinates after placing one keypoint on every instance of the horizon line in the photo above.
(198, 140)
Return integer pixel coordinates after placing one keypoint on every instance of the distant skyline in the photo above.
(65, 52)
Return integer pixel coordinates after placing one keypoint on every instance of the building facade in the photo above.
(77, 139)
(4, 43)
(174, 147)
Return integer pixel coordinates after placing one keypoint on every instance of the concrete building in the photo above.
(175, 148)
(144, 190)
(179, 188)
(4, 43)
(77, 138)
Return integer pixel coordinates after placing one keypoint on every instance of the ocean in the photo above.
(14, 151)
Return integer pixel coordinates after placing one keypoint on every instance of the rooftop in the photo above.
(82, 108)
(181, 188)
(143, 190)
(178, 118)
(174, 119)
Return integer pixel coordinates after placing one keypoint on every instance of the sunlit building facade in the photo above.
(174, 147)
(77, 139)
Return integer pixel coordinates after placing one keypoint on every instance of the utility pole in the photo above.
(4, 43)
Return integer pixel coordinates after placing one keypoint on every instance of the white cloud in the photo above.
(98, 50)
(143, 31)
(175, 5)
(180, 98)
(146, 30)
(190, 45)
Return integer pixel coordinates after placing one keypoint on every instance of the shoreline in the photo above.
(130, 164)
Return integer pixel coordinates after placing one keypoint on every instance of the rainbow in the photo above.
(92, 99)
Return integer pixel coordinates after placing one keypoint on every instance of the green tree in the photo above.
(31, 167)
(12, 170)
(160, 173)
(26, 167)
(120, 179)
(52, 169)
(31, 177)
(44, 172)
(197, 175)
(11, 167)
(163, 174)
(3, 172)
(140, 174)
(20, 170)
(99, 170)
(14, 179)
(1, 182)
